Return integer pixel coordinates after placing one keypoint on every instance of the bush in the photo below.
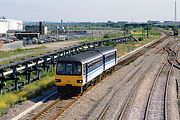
(106, 36)
(140, 39)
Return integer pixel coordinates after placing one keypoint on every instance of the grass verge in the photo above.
(5, 54)
(106, 36)
(130, 46)
(29, 91)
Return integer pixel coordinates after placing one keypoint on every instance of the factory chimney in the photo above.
(40, 28)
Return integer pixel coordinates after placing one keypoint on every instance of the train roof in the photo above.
(83, 57)
(105, 50)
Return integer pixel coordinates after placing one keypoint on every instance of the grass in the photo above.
(106, 36)
(5, 54)
(130, 46)
(25, 56)
(29, 91)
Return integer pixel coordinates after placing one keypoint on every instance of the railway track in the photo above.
(120, 113)
(157, 105)
(53, 110)
(123, 110)
(56, 108)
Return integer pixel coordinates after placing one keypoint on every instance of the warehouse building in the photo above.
(10, 25)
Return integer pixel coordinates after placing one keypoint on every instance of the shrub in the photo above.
(106, 36)
(140, 39)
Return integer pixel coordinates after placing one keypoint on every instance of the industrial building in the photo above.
(10, 25)
(36, 29)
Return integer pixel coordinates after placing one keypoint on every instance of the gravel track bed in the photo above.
(172, 104)
(178, 76)
(31, 114)
(90, 100)
(54, 111)
(122, 95)
(173, 113)
(156, 105)
(137, 105)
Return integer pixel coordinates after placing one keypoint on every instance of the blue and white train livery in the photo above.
(75, 73)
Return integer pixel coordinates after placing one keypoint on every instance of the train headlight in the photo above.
(79, 81)
(57, 80)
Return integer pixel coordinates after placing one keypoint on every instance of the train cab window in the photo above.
(61, 68)
(69, 68)
(77, 69)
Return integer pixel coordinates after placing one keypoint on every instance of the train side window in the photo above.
(110, 57)
(84, 67)
(95, 64)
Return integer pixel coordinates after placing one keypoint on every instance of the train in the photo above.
(175, 31)
(74, 74)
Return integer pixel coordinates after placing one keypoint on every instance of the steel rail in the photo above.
(166, 86)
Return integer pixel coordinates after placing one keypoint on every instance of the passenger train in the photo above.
(75, 73)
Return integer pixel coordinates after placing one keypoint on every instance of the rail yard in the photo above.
(89, 60)
(144, 84)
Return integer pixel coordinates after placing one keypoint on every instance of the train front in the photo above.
(69, 77)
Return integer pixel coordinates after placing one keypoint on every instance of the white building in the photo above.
(10, 24)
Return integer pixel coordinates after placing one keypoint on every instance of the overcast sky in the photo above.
(89, 10)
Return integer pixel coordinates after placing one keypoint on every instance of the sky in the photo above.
(89, 10)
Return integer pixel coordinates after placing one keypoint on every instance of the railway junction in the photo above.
(144, 85)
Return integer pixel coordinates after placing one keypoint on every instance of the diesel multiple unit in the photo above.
(75, 73)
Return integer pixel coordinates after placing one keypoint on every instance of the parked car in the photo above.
(41, 41)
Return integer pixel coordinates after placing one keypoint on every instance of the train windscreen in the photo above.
(69, 68)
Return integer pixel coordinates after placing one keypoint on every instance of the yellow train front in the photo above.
(75, 73)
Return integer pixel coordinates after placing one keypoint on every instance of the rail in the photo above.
(170, 60)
